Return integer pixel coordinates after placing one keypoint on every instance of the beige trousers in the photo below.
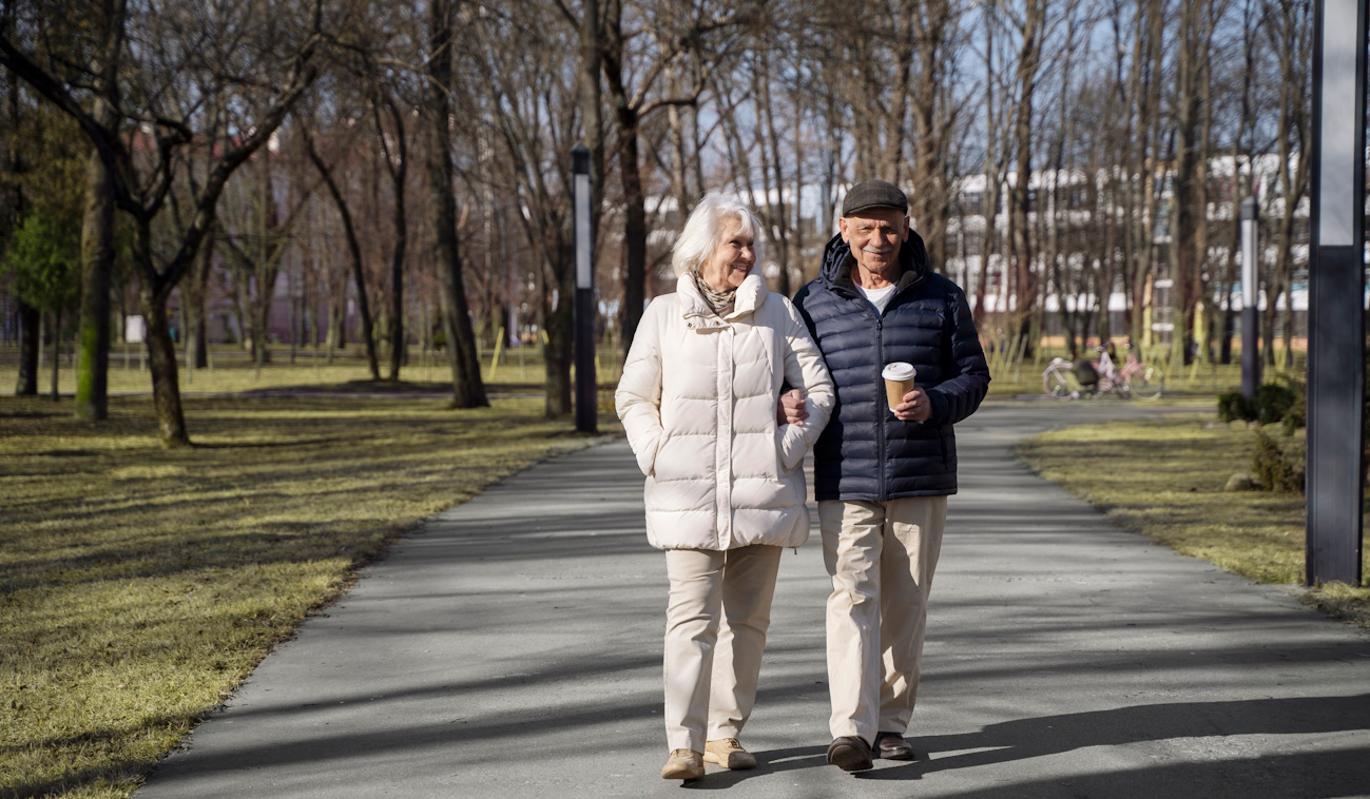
(716, 618)
(881, 556)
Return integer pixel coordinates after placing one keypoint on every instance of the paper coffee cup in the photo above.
(899, 378)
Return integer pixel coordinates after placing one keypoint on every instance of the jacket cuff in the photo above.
(939, 408)
(792, 445)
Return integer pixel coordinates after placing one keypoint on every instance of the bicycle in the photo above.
(1143, 380)
(1135, 378)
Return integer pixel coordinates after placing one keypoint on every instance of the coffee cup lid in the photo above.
(899, 371)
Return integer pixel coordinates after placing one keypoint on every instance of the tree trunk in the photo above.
(30, 330)
(629, 171)
(467, 389)
(634, 226)
(1020, 233)
(240, 315)
(1184, 271)
(354, 247)
(773, 176)
(196, 291)
(97, 264)
(166, 387)
(398, 166)
(989, 198)
(56, 350)
(929, 205)
(557, 349)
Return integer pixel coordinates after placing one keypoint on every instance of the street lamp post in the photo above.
(587, 417)
(1251, 361)
(1336, 295)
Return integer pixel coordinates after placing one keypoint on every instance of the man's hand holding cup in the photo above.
(915, 407)
(907, 402)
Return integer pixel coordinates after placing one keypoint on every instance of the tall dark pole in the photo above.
(1337, 289)
(587, 417)
(1251, 361)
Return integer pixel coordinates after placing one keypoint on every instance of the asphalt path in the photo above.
(511, 648)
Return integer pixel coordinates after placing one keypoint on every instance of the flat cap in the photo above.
(874, 194)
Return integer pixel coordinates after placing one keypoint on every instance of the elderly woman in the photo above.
(725, 484)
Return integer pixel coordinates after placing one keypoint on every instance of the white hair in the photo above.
(702, 232)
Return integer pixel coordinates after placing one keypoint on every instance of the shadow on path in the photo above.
(1338, 772)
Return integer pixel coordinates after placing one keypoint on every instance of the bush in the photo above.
(1276, 468)
(1233, 406)
(1296, 418)
(1273, 403)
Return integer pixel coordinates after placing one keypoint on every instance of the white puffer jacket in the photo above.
(698, 401)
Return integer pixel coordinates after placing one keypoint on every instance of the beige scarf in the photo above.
(720, 302)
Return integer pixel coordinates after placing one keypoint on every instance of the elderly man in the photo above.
(882, 474)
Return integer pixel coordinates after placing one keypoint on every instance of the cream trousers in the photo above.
(881, 556)
(716, 618)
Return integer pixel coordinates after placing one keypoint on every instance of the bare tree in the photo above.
(26, 383)
(533, 111)
(259, 244)
(467, 389)
(249, 38)
(624, 52)
(354, 249)
(1030, 28)
(1288, 27)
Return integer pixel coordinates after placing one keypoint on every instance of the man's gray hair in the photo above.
(704, 229)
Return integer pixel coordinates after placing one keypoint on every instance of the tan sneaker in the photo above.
(683, 764)
(728, 753)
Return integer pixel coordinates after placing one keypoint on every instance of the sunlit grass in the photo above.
(1165, 478)
(138, 585)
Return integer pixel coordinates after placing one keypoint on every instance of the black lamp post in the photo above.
(1251, 359)
(1336, 295)
(587, 416)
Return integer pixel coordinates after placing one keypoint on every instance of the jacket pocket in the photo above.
(646, 459)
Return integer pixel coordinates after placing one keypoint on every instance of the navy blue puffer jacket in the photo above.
(865, 453)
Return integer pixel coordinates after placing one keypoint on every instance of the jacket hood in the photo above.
(913, 258)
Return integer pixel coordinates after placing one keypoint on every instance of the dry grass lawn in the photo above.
(138, 586)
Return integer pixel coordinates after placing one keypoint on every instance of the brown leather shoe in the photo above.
(850, 753)
(728, 753)
(683, 764)
(892, 746)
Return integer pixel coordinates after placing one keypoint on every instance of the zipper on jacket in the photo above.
(881, 401)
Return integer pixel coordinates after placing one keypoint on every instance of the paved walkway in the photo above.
(511, 648)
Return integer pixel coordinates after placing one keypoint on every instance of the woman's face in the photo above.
(732, 259)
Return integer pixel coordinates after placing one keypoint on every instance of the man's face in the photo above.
(875, 236)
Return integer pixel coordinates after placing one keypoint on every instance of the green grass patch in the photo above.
(231, 370)
(139, 585)
(1165, 478)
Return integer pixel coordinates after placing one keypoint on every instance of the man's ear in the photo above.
(842, 229)
(904, 234)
